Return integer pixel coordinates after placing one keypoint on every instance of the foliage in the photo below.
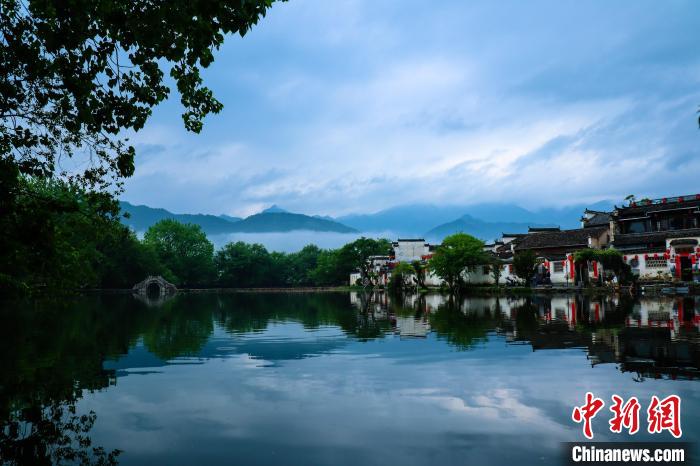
(496, 270)
(402, 277)
(60, 237)
(419, 270)
(611, 259)
(355, 255)
(243, 265)
(457, 254)
(524, 263)
(184, 249)
(75, 77)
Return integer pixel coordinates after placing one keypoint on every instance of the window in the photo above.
(638, 226)
(558, 267)
(656, 263)
(487, 270)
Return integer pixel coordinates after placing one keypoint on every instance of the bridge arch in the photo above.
(154, 285)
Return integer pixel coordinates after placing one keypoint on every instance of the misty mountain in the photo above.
(416, 219)
(285, 221)
(273, 219)
(487, 231)
(274, 209)
(141, 217)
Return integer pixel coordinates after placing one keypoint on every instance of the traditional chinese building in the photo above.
(659, 237)
(555, 249)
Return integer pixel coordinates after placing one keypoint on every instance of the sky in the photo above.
(354, 106)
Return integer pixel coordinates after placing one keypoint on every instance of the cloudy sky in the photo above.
(333, 107)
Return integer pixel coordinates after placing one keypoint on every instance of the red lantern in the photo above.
(663, 201)
(624, 258)
(680, 198)
(697, 197)
(646, 256)
(656, 255)
(635, 257)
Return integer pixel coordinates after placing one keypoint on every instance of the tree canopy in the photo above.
(184, 249)
(456, 255)
(524, 263)
(75, 76)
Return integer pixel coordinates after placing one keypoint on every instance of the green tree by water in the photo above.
(184, 249)
(524, 263)
(402, 278)
(455, 256)
(241, 264)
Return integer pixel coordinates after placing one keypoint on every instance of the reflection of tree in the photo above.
(50, 352)
(181, 327)
(461, 329)
(241, 313)
(51, 434)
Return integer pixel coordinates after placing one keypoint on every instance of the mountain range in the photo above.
(273, 219)
(485, 220)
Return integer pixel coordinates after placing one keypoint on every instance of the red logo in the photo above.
(587, 412)
(665, 415)
(661, 415)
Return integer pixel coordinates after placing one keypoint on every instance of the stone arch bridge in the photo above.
(154, 285)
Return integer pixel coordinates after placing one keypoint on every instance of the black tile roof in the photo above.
(642, 208)
(557, 239)
(652, 237)
(599, 219)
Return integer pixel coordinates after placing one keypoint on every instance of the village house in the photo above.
(660, 238)
(555, 250)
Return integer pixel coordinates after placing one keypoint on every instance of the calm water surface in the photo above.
(332, 378)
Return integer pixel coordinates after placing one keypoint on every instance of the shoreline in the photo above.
(664, 289)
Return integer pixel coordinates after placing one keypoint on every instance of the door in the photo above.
(686, 269)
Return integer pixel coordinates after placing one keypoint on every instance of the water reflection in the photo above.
(72, 370)
(653, 337)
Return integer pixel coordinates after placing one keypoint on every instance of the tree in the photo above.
(496, 269)
(419, 269)
(241, 265)
(355, 255)
(401, 277)
(456, 255)
(524, 263)
(302, 265)
(76, 76)
(184, 249)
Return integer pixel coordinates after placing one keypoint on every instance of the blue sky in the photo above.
(333, 107)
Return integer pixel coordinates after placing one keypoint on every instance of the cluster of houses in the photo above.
(659, 239)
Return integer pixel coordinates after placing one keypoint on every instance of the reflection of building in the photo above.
(412, 326)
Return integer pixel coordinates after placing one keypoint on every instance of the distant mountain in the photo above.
(273, 219)
(416, 219)
(274, 209)
(285, 221)
(487, 231)
(141, 217)
(230, 219)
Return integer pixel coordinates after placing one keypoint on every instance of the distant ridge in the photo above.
(486, 231)
(285, 221)
(141, 217)
(274, 209)
(273, 219)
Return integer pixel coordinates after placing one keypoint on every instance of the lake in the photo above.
(333, 378)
